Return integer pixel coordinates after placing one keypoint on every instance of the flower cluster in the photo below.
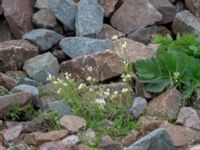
(126, 77)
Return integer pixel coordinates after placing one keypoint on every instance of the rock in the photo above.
(139, 106)
(195, 147)
(43, 38)
(60, 107)
(185, 22)
(89, 18)
(30, 89)
(181, 136)
(50, 146)
(85, 147)
(7, 81)
(12, 133)
(108, 143)
(72, 123)
(89, 136)
(108, 32)
(193, 6)
(16, 75)
(78, 46)
(166, 105)
(144, 35)
(180, 6)
(18, 14)
(108, 6)
(5, 33)
(44, 18)
(41, 4)
(189, 118)
(21, 146)
(65, 11)
(38, 138)
(14, 53)
(167, 10)
(157, 139)
(29, 81)
(134, 52)
(130, 138)
(2, 148)
(141, 11)
(60, 55)
(41, 66)
(69, 141)
(23, 99)
(107, 64)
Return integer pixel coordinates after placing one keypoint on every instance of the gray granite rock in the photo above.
(41, 4)
(186, 22)
(78, 46)
(44, 18)
(89, 18)
(43, 38)
(28, 88)
(158, 139)
(41, 66)
(65, 11)
(139, 106)
(143, 35)
(29, 81)
(60, 107)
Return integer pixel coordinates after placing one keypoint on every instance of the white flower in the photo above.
(68, 76)
(90, 69)
(116, 92)
(81, 86)
(124, 90)
(125, 45)
(101, 102)
(115, 37)
(50, 77)
(89, 78)
(59, 91)
(107, 93)
(126, 78)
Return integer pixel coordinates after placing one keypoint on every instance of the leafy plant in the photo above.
(97, 105)
(187, 43)
(3, 91)
(16, 112)
(51, 119)
(170, 69)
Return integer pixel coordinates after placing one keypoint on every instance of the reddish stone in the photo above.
(18, 14)
(14, 53)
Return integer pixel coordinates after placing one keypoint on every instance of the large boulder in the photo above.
(166, 9)
(156, 140)
(45, 19)
(166, 105)
(14, 53)
(65, 11)
(106, 65)
(108, 6)
(23, 99)
(78, 46)
(193, 6)
(43, 38)
(41, 66)
(134, 15)
(186, 22)
(89, 18)
(134, 51)
(28, 88)
(18, 14)
(41, 4)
